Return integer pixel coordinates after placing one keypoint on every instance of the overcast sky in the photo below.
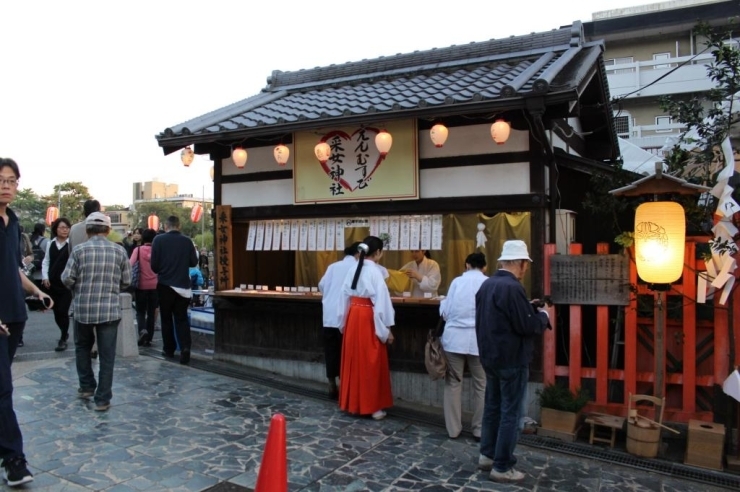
(86, 85)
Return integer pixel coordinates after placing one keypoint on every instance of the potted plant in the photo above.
(561, 408)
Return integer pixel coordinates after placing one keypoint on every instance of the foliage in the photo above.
(165, 209)
(204, 241)
(115, 236)
(606, 209)
(558, 397)
(71, 196)
(29, 207)
(625, 239)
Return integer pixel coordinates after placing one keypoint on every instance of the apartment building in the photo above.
(653, 50)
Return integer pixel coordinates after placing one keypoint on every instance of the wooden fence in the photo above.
(697, 344)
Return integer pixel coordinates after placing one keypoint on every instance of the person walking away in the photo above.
(172, 256)
(505, 325)
(146, 292)
(460, 345)
(330, 286)
(423, 272)
(13, 316)
(55, 260)
(97, 272)
(365, 379)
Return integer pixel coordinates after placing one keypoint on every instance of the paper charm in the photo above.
(731, 386)
(480, 238)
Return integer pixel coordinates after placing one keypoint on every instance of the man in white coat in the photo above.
(330, 286)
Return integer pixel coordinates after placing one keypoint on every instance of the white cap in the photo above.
(514, 250)
(97, 218)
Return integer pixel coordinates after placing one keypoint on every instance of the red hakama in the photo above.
(365, 380)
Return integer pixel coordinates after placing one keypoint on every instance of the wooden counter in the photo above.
(281, 325)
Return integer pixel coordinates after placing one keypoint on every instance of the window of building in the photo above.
(619, 61)
(623, 123)
(662, 121)
(659, 57)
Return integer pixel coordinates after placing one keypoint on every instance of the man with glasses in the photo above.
(13, 318)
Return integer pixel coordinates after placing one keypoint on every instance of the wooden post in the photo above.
(689, 329)
(602, 343)
(630, 337)
(574, 366)
(659, 344)
(549, 343)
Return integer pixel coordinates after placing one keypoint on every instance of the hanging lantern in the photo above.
(281, 153)
(211, 172)
(660, 230)
(186, 156)
(438, 134)
(52, 214)
(152, 222)
(383, 141)
(322, 151)
(196, 213)
(500, 131)
(239, 156)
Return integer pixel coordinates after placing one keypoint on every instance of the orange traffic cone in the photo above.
(273, 475)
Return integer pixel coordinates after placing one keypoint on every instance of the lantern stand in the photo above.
(660, 184)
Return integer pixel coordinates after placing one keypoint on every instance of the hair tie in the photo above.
(363, 247)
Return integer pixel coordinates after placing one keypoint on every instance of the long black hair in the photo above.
(367, 247)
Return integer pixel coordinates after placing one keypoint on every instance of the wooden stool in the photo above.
(608, 421)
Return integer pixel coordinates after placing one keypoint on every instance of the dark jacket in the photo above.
(12, 307)
(505, 322)
(172, 256)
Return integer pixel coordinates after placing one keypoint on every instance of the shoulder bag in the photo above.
(435, 359)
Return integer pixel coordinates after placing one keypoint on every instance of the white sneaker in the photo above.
(379, 415)
(485, 463)
(510, 475)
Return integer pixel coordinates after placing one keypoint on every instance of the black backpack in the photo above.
(38, 246)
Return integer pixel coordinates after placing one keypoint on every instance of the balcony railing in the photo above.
(640, 79)
(653, 137)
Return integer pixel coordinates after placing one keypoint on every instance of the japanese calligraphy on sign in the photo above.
(224, 265)
(355, 170)
(589, 279)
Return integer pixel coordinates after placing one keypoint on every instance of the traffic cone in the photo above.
(273, 475)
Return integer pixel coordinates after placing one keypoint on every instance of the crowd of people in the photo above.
(490, 326)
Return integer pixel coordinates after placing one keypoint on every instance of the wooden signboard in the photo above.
(224, 259)
(589, 279)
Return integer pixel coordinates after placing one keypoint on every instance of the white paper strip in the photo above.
(393, 230)
(267, 246)
(414, 232)
(374, 231)
(312, 234)
(720, 280)
(404, 237)
(437, 232)
(285, 246)
(731, 386)
(295, 228)
(277, 229)
(338, 234)
(426, 232)
(383, 225)
(701, 288)
(321, 235)
(330, 228)
(719, 188)
(251, 235)
(303, 235)
(260, 235)
(729, 168)
(727, 290)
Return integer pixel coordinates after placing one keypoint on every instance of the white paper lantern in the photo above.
(281, 153)
(239, 156)
(322, 151)
(383, 141)
(186, 156)
(438, 134)
(500, 131)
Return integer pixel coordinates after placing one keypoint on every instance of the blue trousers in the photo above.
(502, 411)
(11, 439)
(107, 333)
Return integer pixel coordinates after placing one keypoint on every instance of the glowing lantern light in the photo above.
(152, 222)
(500, 131)
(383, 141)
(196, 213)
(660, 230)
(239, 156)
(52, 214)
(281, 153)
(438, 134)
(186, 156)
(212, 171)
(322, 151)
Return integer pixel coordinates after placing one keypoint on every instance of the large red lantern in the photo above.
(196, 213)
(52, 214)
(153, 222)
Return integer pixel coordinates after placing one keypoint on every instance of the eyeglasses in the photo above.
(12, 182)
(62, 227)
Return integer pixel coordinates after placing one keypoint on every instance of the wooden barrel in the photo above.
(643, 441)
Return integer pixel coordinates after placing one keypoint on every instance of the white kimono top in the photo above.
(431, 277)
(371, 285)
(330, 286)
(458, 309)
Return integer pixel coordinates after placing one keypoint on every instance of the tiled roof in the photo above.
(492, 73)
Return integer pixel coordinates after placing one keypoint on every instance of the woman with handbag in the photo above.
(461, 345)
(365, 379)
(145, 292)
(52, 266)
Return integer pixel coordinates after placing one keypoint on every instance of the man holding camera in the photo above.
(506, 323)
(13, 318)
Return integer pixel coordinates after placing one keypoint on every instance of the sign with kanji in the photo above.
(223, 254)
(589, 279)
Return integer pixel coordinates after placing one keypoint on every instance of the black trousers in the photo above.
(173, 310)
(332, 351)
(62, 300)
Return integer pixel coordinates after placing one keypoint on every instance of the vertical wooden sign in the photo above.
(224, 258)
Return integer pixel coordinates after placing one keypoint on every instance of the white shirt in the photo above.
(431, 277)
(330, 286)
(458, 308)
(370, 285)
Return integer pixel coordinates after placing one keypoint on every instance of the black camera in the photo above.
(540, 303)
(37, 303)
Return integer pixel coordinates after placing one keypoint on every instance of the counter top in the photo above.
(310, 296)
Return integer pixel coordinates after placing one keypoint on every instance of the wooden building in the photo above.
(549, 87)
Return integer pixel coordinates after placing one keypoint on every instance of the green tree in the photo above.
(71, 196)
(29, 207)
(165, 209)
